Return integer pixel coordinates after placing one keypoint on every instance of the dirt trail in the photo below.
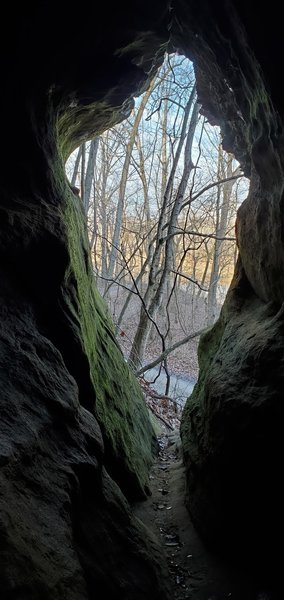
(195, 574)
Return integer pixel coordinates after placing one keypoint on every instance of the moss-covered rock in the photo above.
(67, 530)
(73, 421)
(232, 431)
(118, 401)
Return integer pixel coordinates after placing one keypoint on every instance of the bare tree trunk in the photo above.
(164, 157)
(205, 271)
(123, 181)
(129, 295)
(76, 167)
(104, 236)
(90, 172)
(222, 214)
(157, 284)
(83, 172)
(153, 282)
(95, 221)
(164, 172)
(143, 178)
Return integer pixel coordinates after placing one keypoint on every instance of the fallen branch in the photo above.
(166, 352)
(161, 418)
(146, 386)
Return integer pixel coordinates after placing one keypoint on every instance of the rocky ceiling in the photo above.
(74, 434)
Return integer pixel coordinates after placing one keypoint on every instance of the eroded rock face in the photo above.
(75, 435)
(106, 385)
(232, 423)
(66, 529)
(69, 409)
(231, 427)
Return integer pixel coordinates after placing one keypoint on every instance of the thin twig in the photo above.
(190, 279)
(117, 282)
(198, 234)
(208, 187)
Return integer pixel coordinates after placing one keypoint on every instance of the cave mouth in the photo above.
(160, 196)
(76, 438)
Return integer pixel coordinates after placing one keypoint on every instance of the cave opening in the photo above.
(76, 440)
(160, 196)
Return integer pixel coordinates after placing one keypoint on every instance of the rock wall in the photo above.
(72, 414)
(231, 426)
(112, 390)
(75, 435)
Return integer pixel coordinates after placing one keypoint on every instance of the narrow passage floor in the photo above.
(195, 573)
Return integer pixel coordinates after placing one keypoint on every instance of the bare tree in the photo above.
(89, 175)
(171, 207)
(224, 197)
(76, 167)
(123, 180)
(160, 196)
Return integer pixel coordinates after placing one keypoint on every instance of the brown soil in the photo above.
(194, 572)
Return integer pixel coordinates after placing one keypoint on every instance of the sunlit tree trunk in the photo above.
(82, 182)
(159, 273)
(89, 176)
(225, 169)
(76, 167)
(123, 181)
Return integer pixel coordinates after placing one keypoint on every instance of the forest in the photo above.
(160, 196)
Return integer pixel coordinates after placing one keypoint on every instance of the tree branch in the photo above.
(196, 233)
(192, 280)
(208, 187)
(117, 282)
(166, 352)
(160, 104)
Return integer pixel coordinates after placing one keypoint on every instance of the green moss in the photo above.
(207, 349)
(120, 407)
(80, 123)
